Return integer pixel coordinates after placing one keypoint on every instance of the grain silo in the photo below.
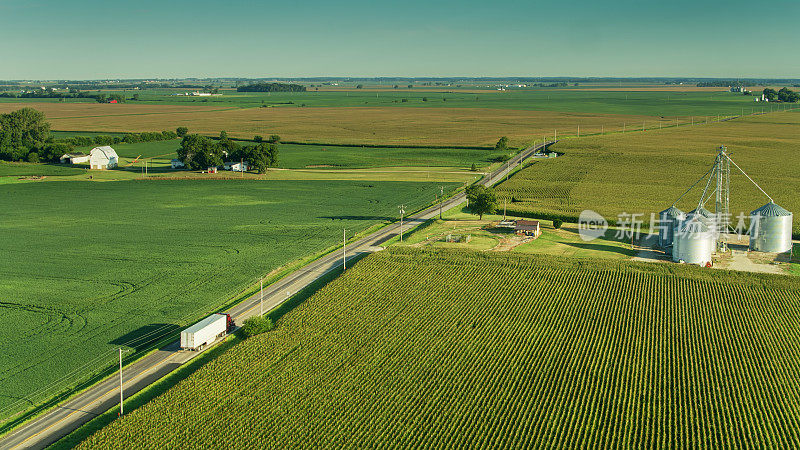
(771, 229)
(668, 219)
(694, 241)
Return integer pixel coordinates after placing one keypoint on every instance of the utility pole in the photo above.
(241, 167)
(505, 200)
(120, 382)
(555, 135)
(344, 249)
(402, 211)
(441, 197)
(623, 127)
(261, 301)
(579, 131)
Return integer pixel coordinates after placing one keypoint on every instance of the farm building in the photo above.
(212, 169)
(103, 158)
(237, 166)
(74, 158)
(177, 164)
(527, 228)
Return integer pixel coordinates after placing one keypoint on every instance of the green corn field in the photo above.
(446, 349)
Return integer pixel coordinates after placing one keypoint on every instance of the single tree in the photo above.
(274, 139)
(502, 144)
(258, 138)
(181, 131)
(481, 200)
(262, 156)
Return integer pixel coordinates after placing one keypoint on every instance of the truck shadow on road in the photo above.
(145, 336)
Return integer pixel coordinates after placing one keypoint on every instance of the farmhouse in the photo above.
(103, 158)
(527, 228)
(177, 164)
(74, 158)
(237, 166)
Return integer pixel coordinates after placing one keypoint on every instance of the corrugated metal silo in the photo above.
(694, 241)
(668, 219)
(771, 229)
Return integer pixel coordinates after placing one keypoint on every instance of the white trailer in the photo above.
(204, 332)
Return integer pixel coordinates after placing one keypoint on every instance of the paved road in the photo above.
(63, 419)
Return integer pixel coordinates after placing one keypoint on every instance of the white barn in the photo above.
(103, 158)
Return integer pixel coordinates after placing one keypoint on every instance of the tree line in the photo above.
(785, 95)
(200, 152)
(47, 93)
(271, 87)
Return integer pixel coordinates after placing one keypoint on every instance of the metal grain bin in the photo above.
(710, 219)
(694, 241)
(667, 220)
(771, 229)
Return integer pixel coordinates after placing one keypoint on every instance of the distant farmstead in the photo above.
(103, 158)
(177, 164)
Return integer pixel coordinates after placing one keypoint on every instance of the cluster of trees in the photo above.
(481, 200)
(199, 152)
(262, 86)
(25, 136)
(784, 95)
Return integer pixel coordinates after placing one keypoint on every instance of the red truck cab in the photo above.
(231, 323)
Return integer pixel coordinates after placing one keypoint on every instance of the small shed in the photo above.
(103, 158)
(527, 228)
(74, 158)
(177, 164)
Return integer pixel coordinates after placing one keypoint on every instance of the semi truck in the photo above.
(199, 335)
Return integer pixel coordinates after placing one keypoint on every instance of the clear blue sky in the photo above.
(89, 39)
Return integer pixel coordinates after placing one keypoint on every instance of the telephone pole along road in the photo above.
(63, 419)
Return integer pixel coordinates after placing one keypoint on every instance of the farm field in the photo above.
(626, 99)
(343, 125)
(412, 348)
(353, 117)
(646, 172)
(13, 169)
(294, 156)
(89, 267)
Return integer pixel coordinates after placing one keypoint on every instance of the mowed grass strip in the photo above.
(418, 349)
(646, 172)
(90, 267)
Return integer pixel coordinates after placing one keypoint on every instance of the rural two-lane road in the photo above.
(67, 417)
